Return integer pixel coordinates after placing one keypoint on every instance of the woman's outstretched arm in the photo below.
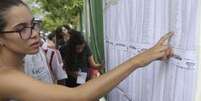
(16, 84)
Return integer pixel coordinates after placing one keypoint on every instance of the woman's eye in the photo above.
(23, 30)
(20, 28)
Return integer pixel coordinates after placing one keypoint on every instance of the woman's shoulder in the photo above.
(13, 83)
(5, 78)
(4, 70)
(7, 70)
(7, 74)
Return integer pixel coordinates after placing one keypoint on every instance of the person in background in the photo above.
(51, 40)
(19, 35)
(55, 64)
(77, 58)
(62, 36)
(93, 70)
(36, 66)
(46, 65)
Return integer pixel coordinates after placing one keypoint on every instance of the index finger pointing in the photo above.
(166, 37)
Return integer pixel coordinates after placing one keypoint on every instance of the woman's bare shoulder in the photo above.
(4, 71)
(11, 82)
(9, 76)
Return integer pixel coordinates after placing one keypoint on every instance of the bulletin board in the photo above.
(131, 26)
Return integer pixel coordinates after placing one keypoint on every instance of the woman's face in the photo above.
(65, 34)
(19, 17)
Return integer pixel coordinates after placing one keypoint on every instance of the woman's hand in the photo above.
(160, 51)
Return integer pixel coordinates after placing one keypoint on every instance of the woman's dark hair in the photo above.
(70, 49)
(5, 5)
(59, 30)
(59, 36)
(75, 39)
(51, 36)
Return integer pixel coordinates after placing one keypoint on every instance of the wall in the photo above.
(130, 26)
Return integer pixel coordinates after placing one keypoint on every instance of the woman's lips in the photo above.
(36, 44)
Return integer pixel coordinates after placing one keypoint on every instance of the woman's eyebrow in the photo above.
(21, 24)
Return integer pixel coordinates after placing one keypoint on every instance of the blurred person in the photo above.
(77, 58)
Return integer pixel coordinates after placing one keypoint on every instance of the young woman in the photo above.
(78, 57)
(19, 36)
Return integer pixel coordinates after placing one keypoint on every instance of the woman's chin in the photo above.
(33, 51)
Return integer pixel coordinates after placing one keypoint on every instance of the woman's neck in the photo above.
(11, 59)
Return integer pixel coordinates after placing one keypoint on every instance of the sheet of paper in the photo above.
(81, 78)
(132, 26)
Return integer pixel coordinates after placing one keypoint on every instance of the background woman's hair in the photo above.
(70, 49)
(59, 30)
(51, 36)
(5, 5)
(76, 39)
